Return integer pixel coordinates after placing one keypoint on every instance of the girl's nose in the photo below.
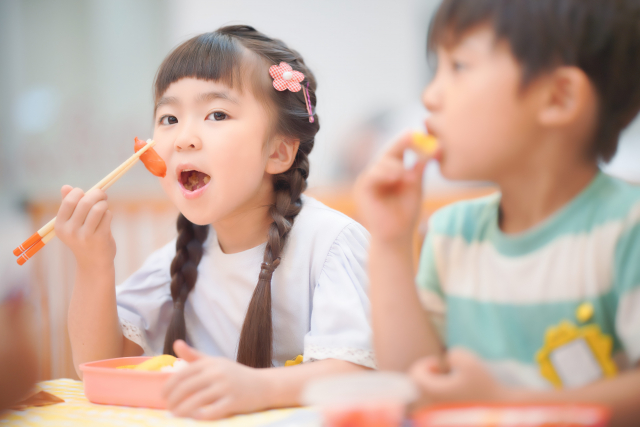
(187, 142)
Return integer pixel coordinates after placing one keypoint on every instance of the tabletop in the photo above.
(78, 411)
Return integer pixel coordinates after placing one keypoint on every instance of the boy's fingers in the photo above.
(397, 149)
(85, 204)
(68, 206)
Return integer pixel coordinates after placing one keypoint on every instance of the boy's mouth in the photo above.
(193, 180)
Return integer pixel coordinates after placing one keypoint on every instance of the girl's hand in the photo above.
(84, 225)
(466, 381)
(388, 195)
(213, 387)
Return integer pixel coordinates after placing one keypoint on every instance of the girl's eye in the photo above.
(168, 120)
(217, 116)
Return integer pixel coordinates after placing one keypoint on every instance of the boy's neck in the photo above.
(529, 198)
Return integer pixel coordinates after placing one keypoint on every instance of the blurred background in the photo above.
(75, 88)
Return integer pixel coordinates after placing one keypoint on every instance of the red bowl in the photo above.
(105, 384)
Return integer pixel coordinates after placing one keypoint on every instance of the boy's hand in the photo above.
(83, 224)
(213, 387)
(467, 381)
(388, 195)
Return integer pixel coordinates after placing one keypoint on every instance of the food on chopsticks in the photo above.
(152, 161)
(427, 143)
(163, 363)
(39, 239)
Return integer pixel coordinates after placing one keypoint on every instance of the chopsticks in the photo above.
(33, 244)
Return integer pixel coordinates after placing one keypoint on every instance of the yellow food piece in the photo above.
(293, 362)
(426, 143)
(584, 313)
(156, 363)
(126, 367)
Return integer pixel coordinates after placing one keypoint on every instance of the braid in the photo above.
(256, 339)
(184, 273)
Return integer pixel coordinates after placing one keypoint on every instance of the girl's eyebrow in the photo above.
(167, 100)
(210, 96)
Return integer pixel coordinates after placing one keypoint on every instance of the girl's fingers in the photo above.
(94, 217)
(85, 204)
(189, 386)
(66, 189)
(214, 411)
(105, 223)
(397, 149)
(184, 351)
(68, 206)
(203, 397)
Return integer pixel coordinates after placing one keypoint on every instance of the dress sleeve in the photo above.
(627, 288)
(144, 302)
(428, 282)
(340, 327)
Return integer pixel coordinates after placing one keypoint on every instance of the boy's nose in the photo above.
(188, 142)
(431, 97)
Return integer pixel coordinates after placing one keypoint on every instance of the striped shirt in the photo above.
(497, 294)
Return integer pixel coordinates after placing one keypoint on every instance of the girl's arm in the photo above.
(83, 224)
(214, 387)
(388, 197)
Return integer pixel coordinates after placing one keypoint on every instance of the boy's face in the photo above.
(483, 119)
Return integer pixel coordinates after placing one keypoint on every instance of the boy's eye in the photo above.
(168, 120)
(217, 115)
(457, 65)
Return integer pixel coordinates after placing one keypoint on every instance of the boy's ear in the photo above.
(282, 153)
(569, 97)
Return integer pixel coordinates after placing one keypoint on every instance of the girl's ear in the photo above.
(282, 153)
(569, 98)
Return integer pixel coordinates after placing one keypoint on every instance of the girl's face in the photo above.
(213, 140)
(483, 119)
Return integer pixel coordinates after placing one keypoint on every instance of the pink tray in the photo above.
(124, 387)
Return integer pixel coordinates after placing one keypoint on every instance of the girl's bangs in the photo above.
(211, 56)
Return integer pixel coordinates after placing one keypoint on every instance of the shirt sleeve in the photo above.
(340, 327)
(428, 282)
(627, 288)
(144, 302)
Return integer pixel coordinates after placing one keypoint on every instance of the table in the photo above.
(78, 411)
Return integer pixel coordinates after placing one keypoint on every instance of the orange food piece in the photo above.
(152, 161)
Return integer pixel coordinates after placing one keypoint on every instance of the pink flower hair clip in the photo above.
(284, 77)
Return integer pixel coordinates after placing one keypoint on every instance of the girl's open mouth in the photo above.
(193, 182)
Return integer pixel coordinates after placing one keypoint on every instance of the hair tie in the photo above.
(266, 270)
(284, 77)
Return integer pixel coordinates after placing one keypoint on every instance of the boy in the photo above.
(539, 285)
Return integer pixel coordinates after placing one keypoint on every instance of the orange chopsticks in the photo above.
(33, 244)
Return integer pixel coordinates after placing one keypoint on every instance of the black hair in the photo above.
(601, 37)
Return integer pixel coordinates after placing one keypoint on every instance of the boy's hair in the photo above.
(601, 37)
(235, 55)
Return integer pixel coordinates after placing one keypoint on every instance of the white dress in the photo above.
(319, 294)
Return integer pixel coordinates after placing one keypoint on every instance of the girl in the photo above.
(235, 131)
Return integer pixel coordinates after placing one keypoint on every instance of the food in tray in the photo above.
(152, 161)
(163, 363)
(427, 143)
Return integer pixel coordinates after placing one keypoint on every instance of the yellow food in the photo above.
(153, 364)
(293, 362)
(426, 143)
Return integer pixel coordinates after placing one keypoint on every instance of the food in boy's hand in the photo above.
(152, 161)
(157, 363)
(427, 143)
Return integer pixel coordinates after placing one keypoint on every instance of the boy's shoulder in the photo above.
(465, 218)
(606, 200)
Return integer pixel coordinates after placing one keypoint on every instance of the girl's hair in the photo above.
(235, 55)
